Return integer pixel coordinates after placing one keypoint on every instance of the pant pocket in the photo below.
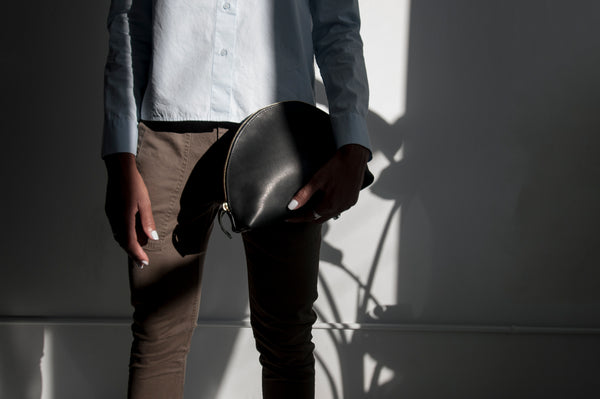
(162, 161)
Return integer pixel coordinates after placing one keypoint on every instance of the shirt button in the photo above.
(226, 6)
(223, 52)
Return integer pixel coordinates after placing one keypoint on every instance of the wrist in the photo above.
(119, 162)
(355, 151)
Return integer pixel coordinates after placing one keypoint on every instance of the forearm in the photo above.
(339, 54)
(126, 73)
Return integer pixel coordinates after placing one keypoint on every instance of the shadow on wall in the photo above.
(498, 191)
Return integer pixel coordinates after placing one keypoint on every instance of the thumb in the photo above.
(304, 195)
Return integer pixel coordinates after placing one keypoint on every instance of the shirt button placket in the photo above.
(223, 61)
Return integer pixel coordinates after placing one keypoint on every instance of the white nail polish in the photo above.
(141, 264)
(293, 205)
(154, 235)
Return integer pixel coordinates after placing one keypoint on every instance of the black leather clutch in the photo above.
(273, 154)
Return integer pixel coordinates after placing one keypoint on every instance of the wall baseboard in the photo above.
(397, 327)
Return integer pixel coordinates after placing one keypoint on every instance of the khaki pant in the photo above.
(182, 164)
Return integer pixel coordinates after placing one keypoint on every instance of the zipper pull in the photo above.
(224, 210)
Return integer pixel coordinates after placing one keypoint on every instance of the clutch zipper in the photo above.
(225, 209)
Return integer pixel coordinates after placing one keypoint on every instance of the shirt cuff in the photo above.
(119, 135)
(350, 128)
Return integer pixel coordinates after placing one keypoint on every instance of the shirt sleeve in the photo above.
(126, 72)
(339, 54)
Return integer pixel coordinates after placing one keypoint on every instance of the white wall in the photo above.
(468, 269)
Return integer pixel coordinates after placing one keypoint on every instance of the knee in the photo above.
(285, 342)
(160, 341)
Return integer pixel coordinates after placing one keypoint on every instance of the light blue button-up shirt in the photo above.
(221, 60)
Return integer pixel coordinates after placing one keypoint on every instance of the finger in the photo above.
(300, 220)
(308, 219)
(147, 221)
(121, 227)
(304, 216)
(304, 194)
(140, 234)
(133, 247)
(308, 215)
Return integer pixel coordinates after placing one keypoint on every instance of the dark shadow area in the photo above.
(54, 225)
(56, 247)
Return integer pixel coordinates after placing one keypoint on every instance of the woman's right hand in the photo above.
(128, 207)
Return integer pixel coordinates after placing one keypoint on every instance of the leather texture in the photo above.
(273, 154)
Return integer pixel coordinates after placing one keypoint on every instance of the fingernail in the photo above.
(141, 264)
(293, 205)
(154, 235)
